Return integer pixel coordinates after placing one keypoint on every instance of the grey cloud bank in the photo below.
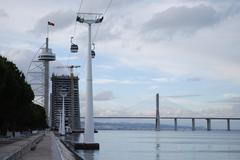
(3, 13)
(62, 19)
(182, 20)
(186, 20)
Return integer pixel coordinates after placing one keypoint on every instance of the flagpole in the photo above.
(47, 30)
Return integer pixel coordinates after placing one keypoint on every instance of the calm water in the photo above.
(165, 145)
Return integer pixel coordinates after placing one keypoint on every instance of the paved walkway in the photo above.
(47, 149)
(15, 150)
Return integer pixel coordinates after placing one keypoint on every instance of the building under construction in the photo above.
(71, 101)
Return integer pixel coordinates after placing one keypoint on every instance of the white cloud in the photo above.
(104, 96)
(169, 108)
(161, 79)
(67, 58)
(194, 79)
(209, 54)
(105, 67)
(232, 100)
(113, 81)
(230, 95)
(180, 96)
(104, 81)
(154, 87)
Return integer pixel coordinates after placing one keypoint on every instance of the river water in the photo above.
(164, 145)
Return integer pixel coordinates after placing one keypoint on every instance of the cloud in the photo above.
(140, 108)
(183, 20)
(181, 96)
(3, 13)
(104, 81)
(230, 95)
(67, 58)
(104, 96)
(231, 100)
(105, 67)
(120, 111)
(211, 53)
(161, 79)
(224, 111)
(234, 9)
(21, 57)
(108, 33)
(113, 81)
(54, 68)
(193, 79)
(208, 54)
(62, 19)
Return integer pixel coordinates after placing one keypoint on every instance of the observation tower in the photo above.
(46, 56)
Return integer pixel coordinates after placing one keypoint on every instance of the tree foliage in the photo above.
(17, 112)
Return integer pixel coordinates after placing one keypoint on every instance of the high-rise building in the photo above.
(59, 83)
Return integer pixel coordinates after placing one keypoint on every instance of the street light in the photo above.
(60, 123)
(63, 93)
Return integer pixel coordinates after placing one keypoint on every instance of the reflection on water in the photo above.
(163, 145)
(157, 142)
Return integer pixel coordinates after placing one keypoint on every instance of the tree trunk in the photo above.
(13, 133)
(13, 130)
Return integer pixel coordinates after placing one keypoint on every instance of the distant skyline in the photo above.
(185, 50)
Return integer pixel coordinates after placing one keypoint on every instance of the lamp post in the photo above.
(60, 123)
(63, 93)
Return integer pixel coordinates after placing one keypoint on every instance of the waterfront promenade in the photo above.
(47, 149)
(38, 147)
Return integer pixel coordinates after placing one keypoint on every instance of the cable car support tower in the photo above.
(89, 19)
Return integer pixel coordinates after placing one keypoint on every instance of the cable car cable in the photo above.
(104, 13)
(75, 25)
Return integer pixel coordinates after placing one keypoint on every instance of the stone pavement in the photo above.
(14, 151)
(47, 149)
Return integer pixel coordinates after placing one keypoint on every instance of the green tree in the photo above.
(16, 108)
(38, 117)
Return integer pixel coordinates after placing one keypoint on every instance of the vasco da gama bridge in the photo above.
(175, 119)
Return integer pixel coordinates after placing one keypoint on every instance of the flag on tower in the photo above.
(51, 23)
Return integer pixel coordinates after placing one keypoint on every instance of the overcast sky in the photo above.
(185, 50)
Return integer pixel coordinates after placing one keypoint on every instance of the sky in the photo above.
(185, 50)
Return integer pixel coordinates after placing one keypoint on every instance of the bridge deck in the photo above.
(213, 118)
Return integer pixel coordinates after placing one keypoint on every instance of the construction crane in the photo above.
(70, 67)
(72, 120)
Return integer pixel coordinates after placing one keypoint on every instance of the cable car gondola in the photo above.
(74, 47)
(92, 51)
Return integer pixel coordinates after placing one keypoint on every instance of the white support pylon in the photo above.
(89, 18)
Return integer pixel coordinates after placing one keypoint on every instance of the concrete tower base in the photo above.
(86, 146)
